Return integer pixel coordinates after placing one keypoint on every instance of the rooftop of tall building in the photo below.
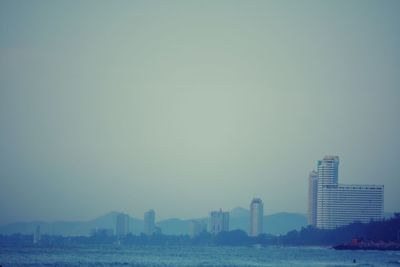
(330, 157)
(256, 200)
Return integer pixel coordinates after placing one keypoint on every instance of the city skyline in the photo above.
(329, 176)
(149, 215)
(187, 107)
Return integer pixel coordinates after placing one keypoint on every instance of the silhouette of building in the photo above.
(312, 198)
(37, 235)
(219, 221)
(149, 222)
(196, 227)
(157, 230)
(337, 204)
(122, 225)
(256, 217)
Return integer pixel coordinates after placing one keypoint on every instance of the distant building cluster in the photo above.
(218, 222)
(331, 205)
(122, 225)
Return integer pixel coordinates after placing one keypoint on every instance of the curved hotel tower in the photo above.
(331, 204)
(256, 217)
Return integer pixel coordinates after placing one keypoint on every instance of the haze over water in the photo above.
(186, 107)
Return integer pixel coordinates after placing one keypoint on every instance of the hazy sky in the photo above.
(189, 106)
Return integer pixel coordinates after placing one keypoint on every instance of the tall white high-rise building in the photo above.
(328, 170)
(312, 198)
(149, 222)
(256, 217)
(122, 225)
(337, 204)
(328, 174)
(219, 221)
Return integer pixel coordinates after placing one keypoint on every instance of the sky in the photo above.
(190, 106)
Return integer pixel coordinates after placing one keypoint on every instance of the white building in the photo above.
(150, 222)
(256, 217)
(196, 227)
(337, 204)
(344, 204)
(219, 221)
(122, 225)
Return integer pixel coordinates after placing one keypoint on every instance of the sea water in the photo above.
(146, 256)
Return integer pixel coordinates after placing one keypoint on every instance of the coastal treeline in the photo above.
(387, 230)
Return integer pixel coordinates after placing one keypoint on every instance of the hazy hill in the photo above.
(70, 228)
(279, 223)
(283, 222)
(239, 212)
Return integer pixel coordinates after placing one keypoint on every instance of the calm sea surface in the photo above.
(195, 256)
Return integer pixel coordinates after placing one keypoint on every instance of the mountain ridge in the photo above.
(277, 223)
